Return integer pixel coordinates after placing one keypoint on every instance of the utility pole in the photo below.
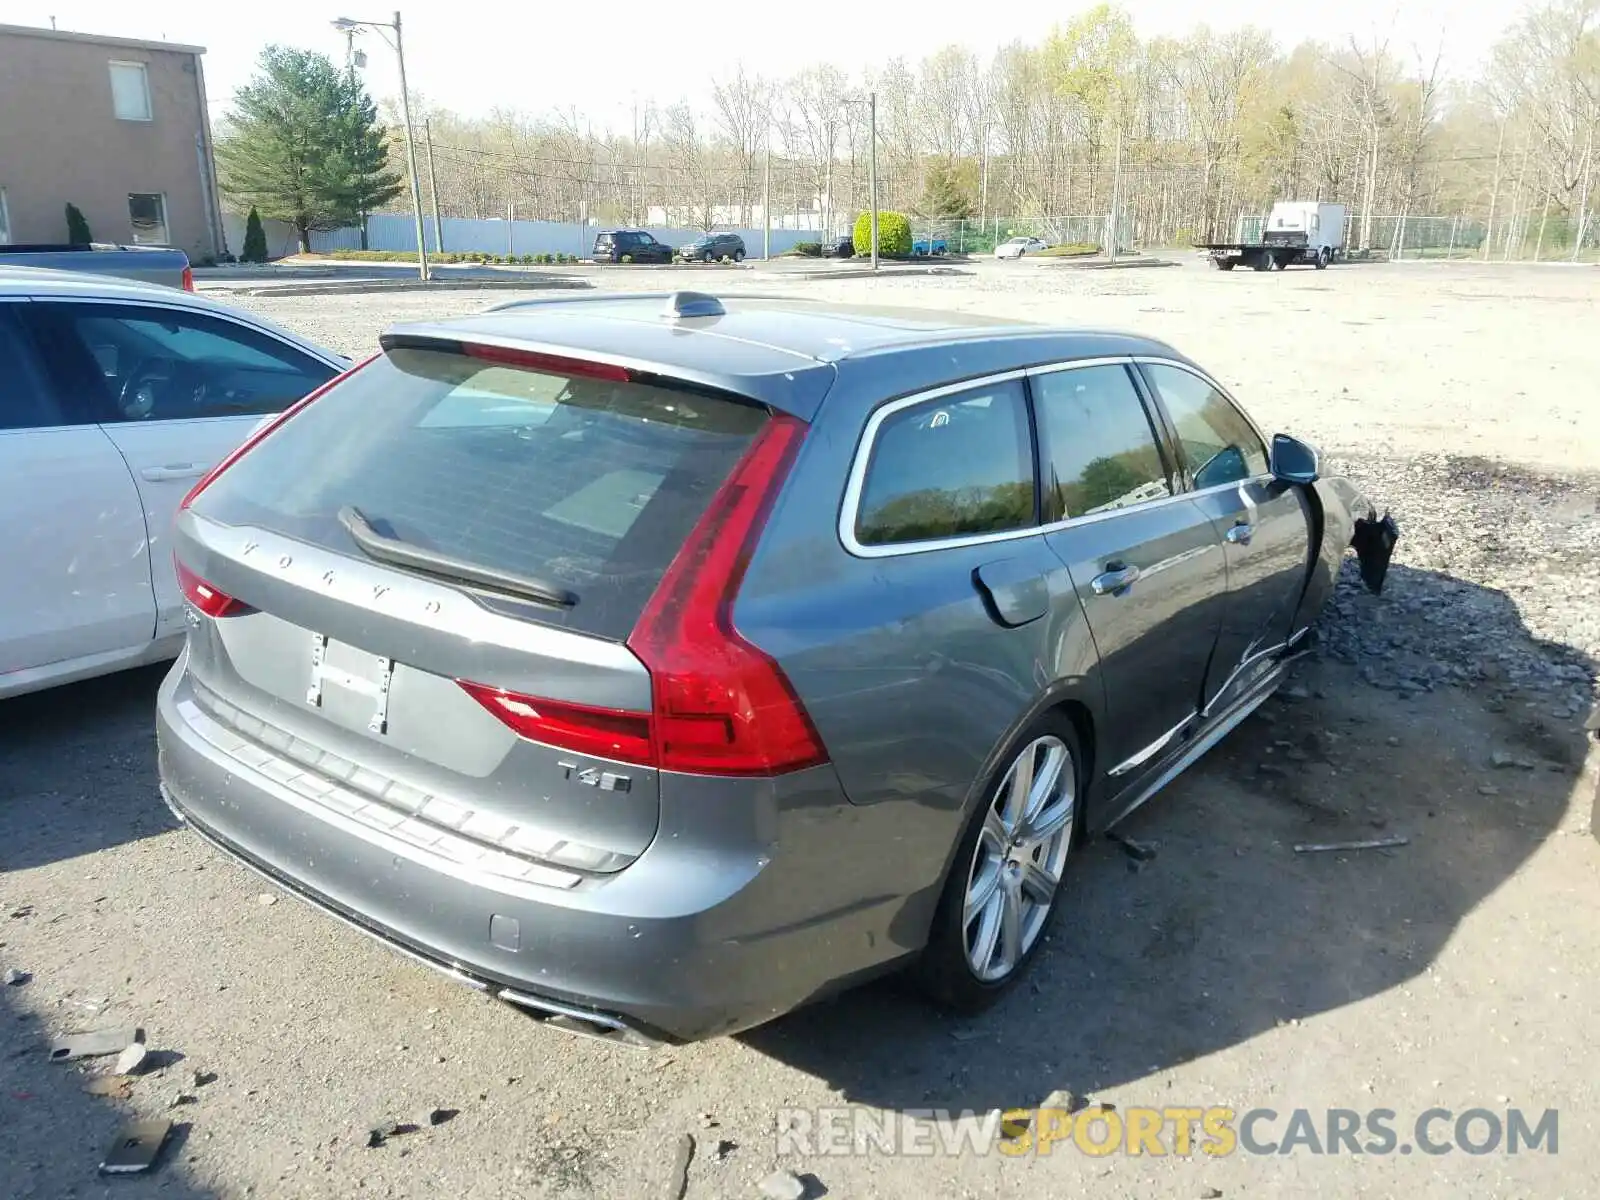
(872, 170)
(766, 195)
(433, 185)
(1116, 197)
(411, 151)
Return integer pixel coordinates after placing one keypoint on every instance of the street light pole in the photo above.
(872, 172)
(411, 151)
(433, 185)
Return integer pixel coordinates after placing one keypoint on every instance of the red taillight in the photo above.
(188, 279)
(721, 706)
(203, 596)
(602, 732)
(210, 476)
(556, 364)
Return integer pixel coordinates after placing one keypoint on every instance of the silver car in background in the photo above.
(659, 664)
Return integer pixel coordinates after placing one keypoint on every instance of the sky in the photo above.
(534, 57)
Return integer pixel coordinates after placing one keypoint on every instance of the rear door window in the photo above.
(589, 484)
(1097, 449)
(1218, 441)
(951, 467)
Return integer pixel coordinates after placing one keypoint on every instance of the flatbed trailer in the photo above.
(1267, 256)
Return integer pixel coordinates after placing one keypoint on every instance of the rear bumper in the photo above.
(744, 907)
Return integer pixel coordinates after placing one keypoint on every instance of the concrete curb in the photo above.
(883, 272)
(363, 287)
(1105, 264)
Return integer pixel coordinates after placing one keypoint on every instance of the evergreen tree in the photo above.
(255, 239)
(77, 227)
(304, 145)
(946, 195)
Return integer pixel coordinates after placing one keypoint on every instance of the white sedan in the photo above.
(1018, 246)
(115, 399)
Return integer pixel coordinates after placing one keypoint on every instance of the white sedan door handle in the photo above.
(172, 471)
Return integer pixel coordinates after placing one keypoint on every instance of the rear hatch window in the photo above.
(588, 484)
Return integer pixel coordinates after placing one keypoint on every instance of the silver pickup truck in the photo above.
(148, 264)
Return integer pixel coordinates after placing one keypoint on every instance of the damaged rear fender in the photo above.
(1343, 519)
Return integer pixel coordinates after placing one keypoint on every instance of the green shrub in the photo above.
(627, 258)
(77, 227)
(812, 249)
(255, 239)
(894, 235)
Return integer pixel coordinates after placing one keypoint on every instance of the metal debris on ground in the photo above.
(384, 1130)
(1332, 847)
(439, 1116)
(678, 1173)
(783, 1185)
(94, 1044)
(135, 1148)
(1211, 1193)
(16, 978)
(179, 1099)
(200, 1078)
(1142, 851)
(266, 899)
(725, 1148)
(131, 1060)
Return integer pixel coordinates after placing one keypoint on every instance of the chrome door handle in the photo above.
(172, 471)
(1240, 534)
(1115, 580)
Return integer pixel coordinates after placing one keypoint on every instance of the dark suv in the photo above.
(630, 245)
(714, 247)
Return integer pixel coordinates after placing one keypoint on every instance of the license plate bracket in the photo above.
(335, 664)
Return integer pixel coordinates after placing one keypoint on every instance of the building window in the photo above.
(5, 220)
(147, 213)
(130, 91)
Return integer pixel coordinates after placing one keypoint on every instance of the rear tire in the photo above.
(1322, 259)
(738, 256)
(1004, 885)
(1280, 262)
(1261, 262)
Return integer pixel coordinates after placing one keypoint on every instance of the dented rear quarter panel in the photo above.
(1337, 504)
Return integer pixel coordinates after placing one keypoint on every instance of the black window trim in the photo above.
(849, 507)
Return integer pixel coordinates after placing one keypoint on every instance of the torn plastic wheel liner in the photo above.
(1373, 542)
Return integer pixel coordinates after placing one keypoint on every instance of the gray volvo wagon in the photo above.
(660, 663)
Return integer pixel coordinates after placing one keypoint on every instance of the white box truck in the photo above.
(1295, 231)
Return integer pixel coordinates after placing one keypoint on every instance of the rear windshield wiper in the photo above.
(448, 566)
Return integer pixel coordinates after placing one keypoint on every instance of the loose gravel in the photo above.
(1461, 968)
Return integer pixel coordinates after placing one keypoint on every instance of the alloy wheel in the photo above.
(1019, 857)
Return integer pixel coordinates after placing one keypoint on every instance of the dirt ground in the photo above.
(1460, 970)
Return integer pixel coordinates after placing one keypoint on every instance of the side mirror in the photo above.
(1293, 461)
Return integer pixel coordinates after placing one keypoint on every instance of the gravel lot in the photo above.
(1461, 970)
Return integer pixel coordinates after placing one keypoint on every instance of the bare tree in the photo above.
(744, 106)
